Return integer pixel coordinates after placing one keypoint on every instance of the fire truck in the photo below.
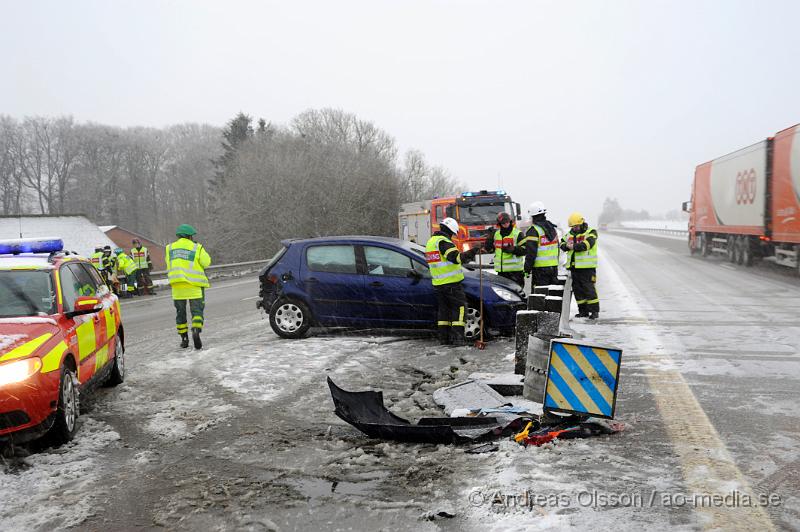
(475, 212)
(746, 205)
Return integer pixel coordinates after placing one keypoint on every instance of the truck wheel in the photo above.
(289, 318)
(731, 249)
(705, 248)
(746, 255)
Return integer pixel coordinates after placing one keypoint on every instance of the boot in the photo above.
(582, 312)
(184, 340)
(196, 338)
(458, 337)
(444, 335)
(594, 315)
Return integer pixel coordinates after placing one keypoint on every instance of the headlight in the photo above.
(19, 370)
(505, 293)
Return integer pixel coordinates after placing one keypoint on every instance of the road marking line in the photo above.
(249, 298)
(708, 467)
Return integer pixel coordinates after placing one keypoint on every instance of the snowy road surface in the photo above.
(241, 435)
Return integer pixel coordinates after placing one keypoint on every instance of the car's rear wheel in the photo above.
(117, 375)
(290, 318)
(472, 323)
(66, 421)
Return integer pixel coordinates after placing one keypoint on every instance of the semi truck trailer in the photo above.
(746, 205)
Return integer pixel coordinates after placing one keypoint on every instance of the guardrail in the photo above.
(221, 270)
(674, 232)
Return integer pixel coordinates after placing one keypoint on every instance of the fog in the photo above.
(567, 103)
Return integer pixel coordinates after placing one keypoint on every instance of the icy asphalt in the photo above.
(241, 435)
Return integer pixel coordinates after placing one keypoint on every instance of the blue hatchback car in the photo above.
(369, 281)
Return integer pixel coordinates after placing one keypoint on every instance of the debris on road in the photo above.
(366, 411)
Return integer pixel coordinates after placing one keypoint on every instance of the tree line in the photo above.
(245, 186)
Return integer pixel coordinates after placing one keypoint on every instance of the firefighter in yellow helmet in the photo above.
(580, 244)
(444, 261)
(186, 264)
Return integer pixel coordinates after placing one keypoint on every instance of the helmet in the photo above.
(107, 248)
(575, 219)
(503, 217)
(185, 230)
(135, 241)
(117, 250)
(536, 208)
(450, 224)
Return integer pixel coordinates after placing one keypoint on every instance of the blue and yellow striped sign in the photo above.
(582, 379)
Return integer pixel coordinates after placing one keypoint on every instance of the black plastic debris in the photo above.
(366, 412)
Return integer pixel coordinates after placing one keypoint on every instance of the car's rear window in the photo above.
(26, 293)
(331, 259)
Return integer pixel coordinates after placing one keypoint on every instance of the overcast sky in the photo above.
(565, 102)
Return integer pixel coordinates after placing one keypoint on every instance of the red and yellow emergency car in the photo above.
(60, 336)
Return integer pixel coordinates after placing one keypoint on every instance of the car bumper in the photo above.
(26, 407)
(504, 315)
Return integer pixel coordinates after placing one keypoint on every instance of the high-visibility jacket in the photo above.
(585, 258)
(97, 260)
(506, 261)
(443, 271)
(125, 265)
(186, 264)
(140, 258)
(547, 254)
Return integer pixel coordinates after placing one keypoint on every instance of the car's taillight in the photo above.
(272, 278)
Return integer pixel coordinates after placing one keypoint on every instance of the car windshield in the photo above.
(481, 214)
(25, 293)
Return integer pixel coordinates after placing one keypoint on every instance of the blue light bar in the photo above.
(468, 194)
(16, 246)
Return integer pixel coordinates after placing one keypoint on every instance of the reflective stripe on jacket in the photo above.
(504, 261)
(581, 259)
(442, 270)
(547, 254)
(186, 263)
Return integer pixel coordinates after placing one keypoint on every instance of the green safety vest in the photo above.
(583, 259)
(139, 257)
(547, 255)
(442, 270)
(507, 262)
(183, 264)
(125, 264)
(97, 260)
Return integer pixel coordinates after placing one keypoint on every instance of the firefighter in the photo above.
(125, 273)
(98, 260)
(508, 248)
(580, 244)
(444, 261)
(186, 264)
(110, 267)
(541, 248)
(141, 259)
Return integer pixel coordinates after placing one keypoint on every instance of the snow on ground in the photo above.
(672, 225)
(56, 485)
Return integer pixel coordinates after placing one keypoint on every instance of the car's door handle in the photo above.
(312, 280)
(376, 283)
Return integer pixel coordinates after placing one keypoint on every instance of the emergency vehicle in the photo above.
(475, 212)
(61, 336)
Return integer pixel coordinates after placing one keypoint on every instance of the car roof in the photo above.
(350, 239)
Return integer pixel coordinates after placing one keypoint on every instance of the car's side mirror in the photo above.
(686, 206)
(85, 305)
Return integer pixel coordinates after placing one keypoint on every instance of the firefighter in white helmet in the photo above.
(541, 248)
(444, 261)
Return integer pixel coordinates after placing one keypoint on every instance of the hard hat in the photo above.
(117, 250)
(503, 217)
(575, 219)
(450, 224)
(536, 208)
(185, 230)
